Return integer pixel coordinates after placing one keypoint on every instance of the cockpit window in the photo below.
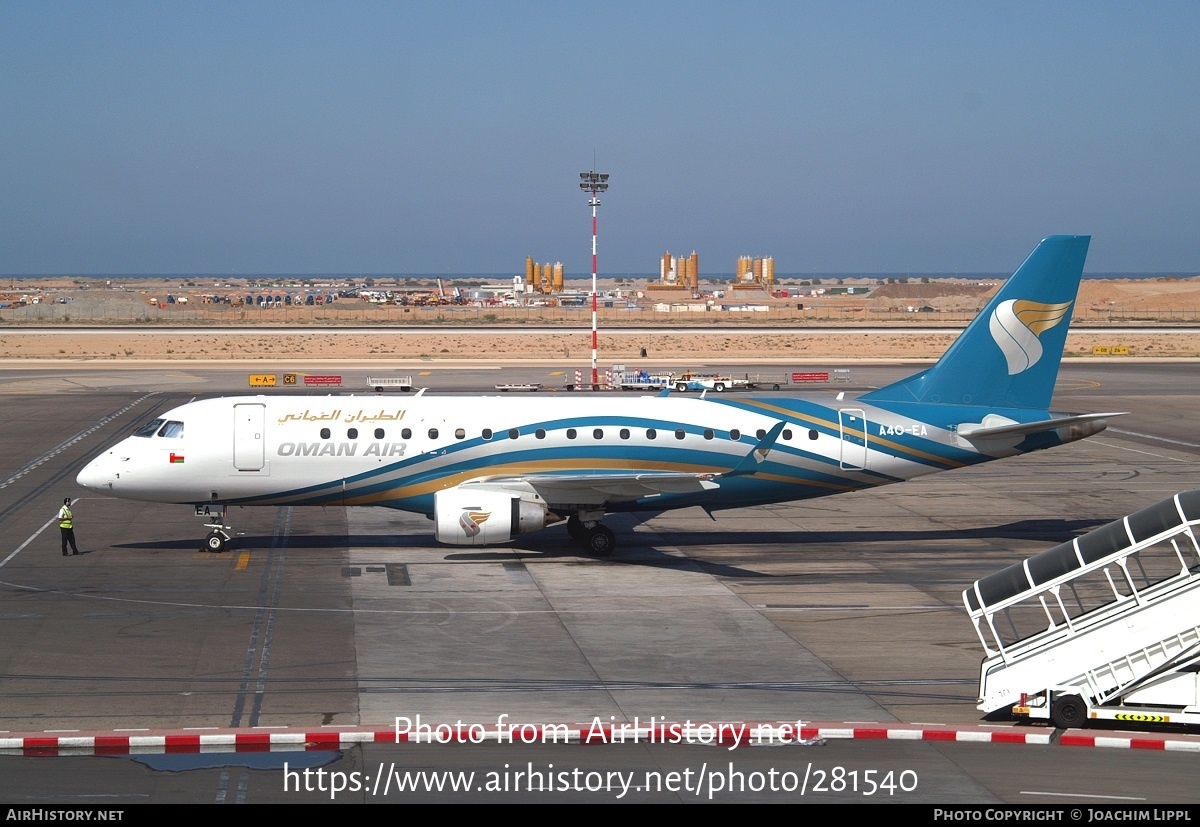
(172, 430)
(150, 428)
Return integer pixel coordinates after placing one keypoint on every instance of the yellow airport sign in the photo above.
(1120, 350)
(1101, 350)
(262, 380)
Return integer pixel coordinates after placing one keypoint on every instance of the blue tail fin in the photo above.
(1008, 356)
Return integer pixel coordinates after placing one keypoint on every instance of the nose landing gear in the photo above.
(218, 538)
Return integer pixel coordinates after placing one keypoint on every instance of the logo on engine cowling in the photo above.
(471, 521)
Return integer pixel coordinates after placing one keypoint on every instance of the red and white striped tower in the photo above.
(595, 183)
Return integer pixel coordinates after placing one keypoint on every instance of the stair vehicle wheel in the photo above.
(601, 541)
(719, 387)
(1068, 711)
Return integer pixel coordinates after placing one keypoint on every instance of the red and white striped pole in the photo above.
(594, 183)
(595, 343)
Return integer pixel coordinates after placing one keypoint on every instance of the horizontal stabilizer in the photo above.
(995, 426)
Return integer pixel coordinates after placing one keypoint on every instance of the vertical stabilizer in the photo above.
(1008, 356)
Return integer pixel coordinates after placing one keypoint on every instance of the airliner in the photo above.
(488, 469)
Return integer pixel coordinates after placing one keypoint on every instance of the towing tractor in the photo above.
(1105, 627)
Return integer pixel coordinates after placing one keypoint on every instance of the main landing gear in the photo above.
(592, 534)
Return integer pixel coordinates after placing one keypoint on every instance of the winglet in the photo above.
(664, 393)
(758, 454)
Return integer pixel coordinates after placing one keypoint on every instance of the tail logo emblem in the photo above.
(470, 521)
(1016, 325)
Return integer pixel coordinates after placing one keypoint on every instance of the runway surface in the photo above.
(845, 611)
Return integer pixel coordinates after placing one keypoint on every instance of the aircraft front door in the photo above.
(853, 423)
(249, 432)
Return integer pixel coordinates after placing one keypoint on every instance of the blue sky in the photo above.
(447, 137)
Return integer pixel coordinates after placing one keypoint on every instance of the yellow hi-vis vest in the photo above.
(64, 518)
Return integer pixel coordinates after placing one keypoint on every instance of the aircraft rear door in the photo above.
(249, 432)
(853, 423)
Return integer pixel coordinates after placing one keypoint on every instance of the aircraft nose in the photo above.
(98, 474)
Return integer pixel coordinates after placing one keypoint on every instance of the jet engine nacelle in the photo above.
(479, 516)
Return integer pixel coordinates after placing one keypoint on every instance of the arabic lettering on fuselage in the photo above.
(336, 414)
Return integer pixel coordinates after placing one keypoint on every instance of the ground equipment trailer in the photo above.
(382, 383)
(640, 380)
(720, 384)
(1104, 627)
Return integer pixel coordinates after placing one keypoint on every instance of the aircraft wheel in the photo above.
(575, 529)
(601, 541)
(214, 542)
(775, 387)
(680, 386)
(1068, 711)
(719, 387)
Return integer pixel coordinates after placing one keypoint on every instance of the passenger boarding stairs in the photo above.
(1112, 617)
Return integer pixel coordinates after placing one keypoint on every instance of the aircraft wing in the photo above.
(994, 425)
(597, 488)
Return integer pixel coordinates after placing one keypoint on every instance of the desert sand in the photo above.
(221, 335)
(678, 347)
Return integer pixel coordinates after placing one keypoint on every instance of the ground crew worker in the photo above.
(66, 525)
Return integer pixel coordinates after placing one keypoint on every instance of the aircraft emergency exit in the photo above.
(487, 469)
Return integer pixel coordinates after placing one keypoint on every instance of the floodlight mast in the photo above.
(594, 183)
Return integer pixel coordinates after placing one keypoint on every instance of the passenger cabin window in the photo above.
(624, 433)
(433, 433)
(680, 434)
(787, 433)
(459, 433)
(352, 433)
(540, 433)
(708, 433)
(150, 428)
(572, 433)
(487, 433)
(651, 433)
(812, 434)
(325, 433)
(735, 434)
(513, 433)
(406, 433)
(760, 433)
(172, 430)
(598, 433)
(379, 433)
